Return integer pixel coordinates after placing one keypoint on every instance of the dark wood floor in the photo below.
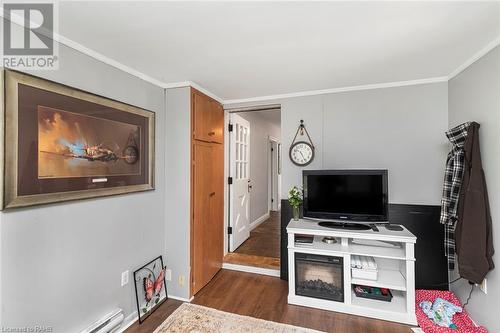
(264, 240)
(250, 260)
(265, 297)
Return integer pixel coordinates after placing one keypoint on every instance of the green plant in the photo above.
(295, 196)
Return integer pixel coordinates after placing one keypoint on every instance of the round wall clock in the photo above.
(301, 153)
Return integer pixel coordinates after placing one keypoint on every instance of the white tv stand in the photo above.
(396, 270)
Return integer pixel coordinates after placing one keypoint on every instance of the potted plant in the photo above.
(295, 199)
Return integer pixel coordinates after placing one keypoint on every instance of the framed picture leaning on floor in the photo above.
(150, 287)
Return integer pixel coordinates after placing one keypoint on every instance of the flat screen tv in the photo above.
(346, 195)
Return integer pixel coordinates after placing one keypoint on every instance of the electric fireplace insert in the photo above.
(319, 276)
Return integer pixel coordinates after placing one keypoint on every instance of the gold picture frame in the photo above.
(79, 187)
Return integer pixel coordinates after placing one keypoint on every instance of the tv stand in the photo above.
(344, 225)
(395, 269)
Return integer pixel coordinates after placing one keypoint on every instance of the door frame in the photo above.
(270, 174)
(227, 188)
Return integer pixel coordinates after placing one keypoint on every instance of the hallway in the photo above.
(264, 240)
(262, 248)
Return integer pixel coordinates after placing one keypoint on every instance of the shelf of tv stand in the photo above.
(378, 252)
(363, 250)
(387, 278)
(396, 305)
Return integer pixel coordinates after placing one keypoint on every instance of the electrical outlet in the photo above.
(168, 274)
(124, 278)
(181, 280)
(484, 286)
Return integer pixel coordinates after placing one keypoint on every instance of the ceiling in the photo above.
(240, 50)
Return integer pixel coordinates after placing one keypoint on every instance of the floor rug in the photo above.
(190, 318)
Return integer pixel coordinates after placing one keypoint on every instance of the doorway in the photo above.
(255, 185)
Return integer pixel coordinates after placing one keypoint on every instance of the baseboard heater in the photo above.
(108, 323)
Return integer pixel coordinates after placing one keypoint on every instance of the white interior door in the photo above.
(239, 170)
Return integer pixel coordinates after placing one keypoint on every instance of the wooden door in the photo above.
(201, 122)
(216, 225)
(207, 221)
(201, 196)
(207, 239)
(217, 122)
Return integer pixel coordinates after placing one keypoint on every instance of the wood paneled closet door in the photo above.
(217, 209)
(207, 187)
(217, 123)
(200, 231)
(201, 120)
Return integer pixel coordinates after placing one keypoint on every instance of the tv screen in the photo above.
(355, 195)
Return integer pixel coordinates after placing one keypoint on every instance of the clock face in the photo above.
(301, 153)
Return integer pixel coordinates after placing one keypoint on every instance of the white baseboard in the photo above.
(132, 318)
(183, 299)
(252, 269)
(127, 322)
(258, 221)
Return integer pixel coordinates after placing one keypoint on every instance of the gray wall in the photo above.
(260, 130)
(474, 95)
(61, 264)
(400, 129)
(62, 269)
(178, 149)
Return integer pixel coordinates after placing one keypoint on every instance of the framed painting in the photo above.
(66, 144)
(150, 287)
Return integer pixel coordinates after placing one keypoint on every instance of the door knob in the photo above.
(212, 194)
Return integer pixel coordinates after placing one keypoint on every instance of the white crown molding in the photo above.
(91, 53)
(490, 46)
(194, 85)
(174, 85)
(111, 62)
(206, 92)
(338, 90)
(114, 63)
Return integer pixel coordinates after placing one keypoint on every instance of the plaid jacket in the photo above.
(451, 189)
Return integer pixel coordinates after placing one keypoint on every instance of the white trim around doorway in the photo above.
(270, 140)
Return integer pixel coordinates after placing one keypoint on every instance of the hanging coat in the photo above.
(453, 175)
(473, 232)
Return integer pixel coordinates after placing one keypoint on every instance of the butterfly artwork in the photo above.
(153, 288)
(150, 287)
